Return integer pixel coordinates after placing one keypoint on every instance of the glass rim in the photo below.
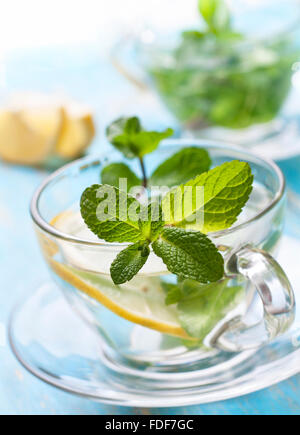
(93, 160)
(289, 27)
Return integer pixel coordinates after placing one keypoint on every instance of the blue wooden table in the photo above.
(22, 267)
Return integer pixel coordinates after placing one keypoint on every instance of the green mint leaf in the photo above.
(174, 293)
(119, 132)
(216, 15)
(223, 193)
(200, 312)
(127, 135)
(151, 221)
(104, 209)
(111, 175)
(181, 167)
(129, 262)
(189, 254)
(146, 142)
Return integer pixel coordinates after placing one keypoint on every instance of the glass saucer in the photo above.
(53, 343)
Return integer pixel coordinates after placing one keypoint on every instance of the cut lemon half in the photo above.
(19, 143)
(35, 127)
(142, 301)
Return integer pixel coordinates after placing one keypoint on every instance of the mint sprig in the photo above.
(129, 137)
(187, 253)
(175, 231)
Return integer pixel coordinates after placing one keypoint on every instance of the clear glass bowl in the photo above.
(227, 89)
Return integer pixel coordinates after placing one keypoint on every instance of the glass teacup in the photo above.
(222, 89)
(134, 326)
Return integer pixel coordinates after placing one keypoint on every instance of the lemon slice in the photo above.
(20, 143)
(77, 132)
(142, 301)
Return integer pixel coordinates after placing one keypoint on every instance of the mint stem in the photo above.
(145, 181)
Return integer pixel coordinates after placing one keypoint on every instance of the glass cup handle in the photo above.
(277, 296)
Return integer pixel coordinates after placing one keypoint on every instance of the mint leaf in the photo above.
(146, 142)
(128, 136)
(181, 167)
(104, 209)
(119, 132)
(226, 190)
(111, 175)
(216, 14)
(129, 262)
(174, 293)
(189, 254)
(200, 312)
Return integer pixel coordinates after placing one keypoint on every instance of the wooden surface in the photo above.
(22, 267)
